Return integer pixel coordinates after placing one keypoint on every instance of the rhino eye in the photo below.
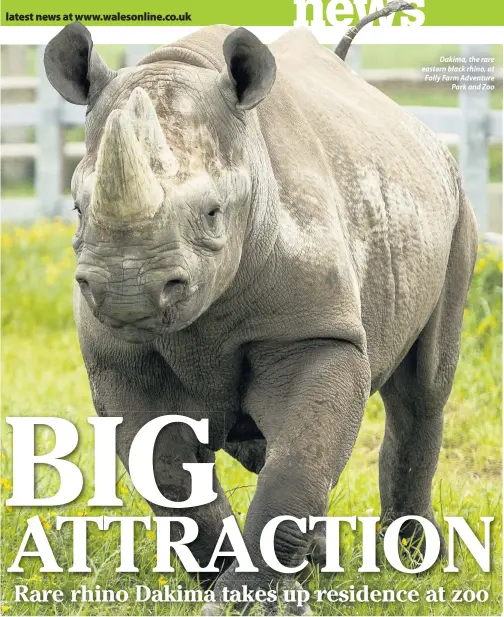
(213, 212)
(77, 207)
(213, 221)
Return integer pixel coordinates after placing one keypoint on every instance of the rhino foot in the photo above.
(218, 609)
(212, 609)
(412, 537)
(279, 607)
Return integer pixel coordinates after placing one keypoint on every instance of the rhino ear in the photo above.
(73, 67)
(250, 67)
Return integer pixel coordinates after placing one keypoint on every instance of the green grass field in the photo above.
(43, 374)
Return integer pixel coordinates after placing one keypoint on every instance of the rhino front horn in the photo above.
(126, 188)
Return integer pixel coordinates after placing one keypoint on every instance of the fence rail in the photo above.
(472, 127)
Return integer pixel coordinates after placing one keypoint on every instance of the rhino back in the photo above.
(366, 191)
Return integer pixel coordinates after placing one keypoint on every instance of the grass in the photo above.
(414, 56)
(43, 374)
(432, 96)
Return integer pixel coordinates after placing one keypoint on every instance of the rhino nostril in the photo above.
(174, 284)
(83, 284)
(173, 291)
(86, 290)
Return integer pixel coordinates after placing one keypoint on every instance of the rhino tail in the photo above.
(392, 7)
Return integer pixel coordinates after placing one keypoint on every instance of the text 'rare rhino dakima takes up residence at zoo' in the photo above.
(265, 240)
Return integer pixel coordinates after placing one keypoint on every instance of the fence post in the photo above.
(134, 53)
(15, 63)
(474, 159)
(50, 160)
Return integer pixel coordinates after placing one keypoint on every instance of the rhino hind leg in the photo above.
(416, 393)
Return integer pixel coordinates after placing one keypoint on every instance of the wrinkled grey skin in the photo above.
(336, 265)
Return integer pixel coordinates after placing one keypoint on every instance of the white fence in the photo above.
(471, 126)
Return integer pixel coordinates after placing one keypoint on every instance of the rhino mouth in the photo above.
(147, 328)
(139, 331)
(132, 334)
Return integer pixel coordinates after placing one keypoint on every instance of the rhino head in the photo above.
(168, 181)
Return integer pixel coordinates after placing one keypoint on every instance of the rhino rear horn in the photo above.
(149, 132)
(73, 67)
(250, 67)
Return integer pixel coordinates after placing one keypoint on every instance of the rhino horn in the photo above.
(149, 132)
(126, 188)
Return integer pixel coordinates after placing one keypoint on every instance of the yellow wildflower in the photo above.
(162, 580)
(404, 541)
(51, 274)
(480, 265)
(44, 522)
(488, 322)
(5, 608)
(7, 241)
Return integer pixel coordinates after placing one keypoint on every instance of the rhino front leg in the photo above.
(137, 399)
(308, 400)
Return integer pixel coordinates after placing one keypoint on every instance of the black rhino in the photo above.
(267, 264)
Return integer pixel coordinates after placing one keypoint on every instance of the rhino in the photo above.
(264, 240)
